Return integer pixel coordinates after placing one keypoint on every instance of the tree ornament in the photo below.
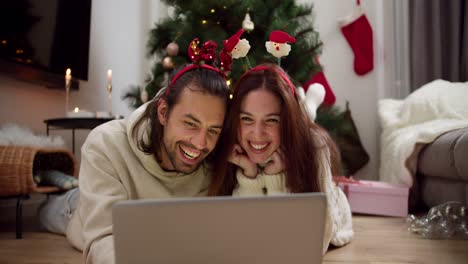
(167, 63)
(172, 49)
(248, 25)
(144, 95)
(171, 12)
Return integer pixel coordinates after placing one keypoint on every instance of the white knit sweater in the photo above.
(338, 225)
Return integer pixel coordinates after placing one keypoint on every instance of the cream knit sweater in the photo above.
(113, 169)
(338, 224)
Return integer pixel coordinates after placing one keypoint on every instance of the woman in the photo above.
(270, 146)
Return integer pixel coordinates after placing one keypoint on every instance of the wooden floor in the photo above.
(377, 240)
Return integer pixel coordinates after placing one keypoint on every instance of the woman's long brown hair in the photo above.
(301, 139)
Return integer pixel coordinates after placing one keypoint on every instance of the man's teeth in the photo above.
(190, 154)
(258, 147)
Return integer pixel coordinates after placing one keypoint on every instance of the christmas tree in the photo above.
(217, 20)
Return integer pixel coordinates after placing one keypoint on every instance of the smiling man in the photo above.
(191, 129)
(161, 150)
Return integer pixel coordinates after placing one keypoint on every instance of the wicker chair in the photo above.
(18, 164)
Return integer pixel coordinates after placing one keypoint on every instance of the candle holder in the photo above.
(67, 89)
(67, 95)
(109, 97)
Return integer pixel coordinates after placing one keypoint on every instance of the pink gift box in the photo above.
(376, 198)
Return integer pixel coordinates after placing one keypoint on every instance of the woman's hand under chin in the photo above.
(240, 158)
(275, 164)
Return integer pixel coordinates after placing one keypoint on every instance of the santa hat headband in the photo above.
(230, 43)
(278, 47)
(281, 37)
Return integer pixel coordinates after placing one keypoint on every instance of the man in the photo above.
(159, 151)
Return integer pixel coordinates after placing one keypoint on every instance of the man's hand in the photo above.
(275, 164)
(240, 158)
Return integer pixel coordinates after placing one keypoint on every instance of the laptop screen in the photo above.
(267, 229)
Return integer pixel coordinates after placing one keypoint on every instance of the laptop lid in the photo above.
(260, 230)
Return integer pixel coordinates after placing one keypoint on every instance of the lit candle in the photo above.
(109, 77)
(68, 78)
(77, 109)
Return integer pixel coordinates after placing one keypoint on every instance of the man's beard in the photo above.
(181, 166)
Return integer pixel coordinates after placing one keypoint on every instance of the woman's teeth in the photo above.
(258, 147)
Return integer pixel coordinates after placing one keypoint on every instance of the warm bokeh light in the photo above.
(203, 22)
(76, 110)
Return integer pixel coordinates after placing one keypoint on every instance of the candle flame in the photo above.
(109, 73)
(77, 109)
(68, 72)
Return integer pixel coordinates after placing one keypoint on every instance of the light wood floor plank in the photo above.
(378, 240)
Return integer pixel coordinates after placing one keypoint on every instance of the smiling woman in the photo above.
(270, 146)
(259, 128)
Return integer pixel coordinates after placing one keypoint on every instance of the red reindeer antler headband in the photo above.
(234, 48)
(199, 57)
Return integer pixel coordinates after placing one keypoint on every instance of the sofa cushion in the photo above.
(436, 191)
(446, 156)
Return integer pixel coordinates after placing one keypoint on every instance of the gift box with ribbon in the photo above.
(374, 197)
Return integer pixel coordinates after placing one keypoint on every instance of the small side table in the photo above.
(75, 123)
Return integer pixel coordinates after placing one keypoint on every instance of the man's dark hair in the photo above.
(200, 79)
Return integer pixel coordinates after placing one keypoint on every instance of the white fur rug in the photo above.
(12, 134)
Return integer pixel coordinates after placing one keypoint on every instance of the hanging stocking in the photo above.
(358, 33)
(319, 77)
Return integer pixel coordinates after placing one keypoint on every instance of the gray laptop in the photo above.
(237, 230)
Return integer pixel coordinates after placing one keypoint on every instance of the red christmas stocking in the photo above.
(320, 78)
(358, 33)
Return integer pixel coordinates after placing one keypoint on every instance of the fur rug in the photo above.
(12, 134)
